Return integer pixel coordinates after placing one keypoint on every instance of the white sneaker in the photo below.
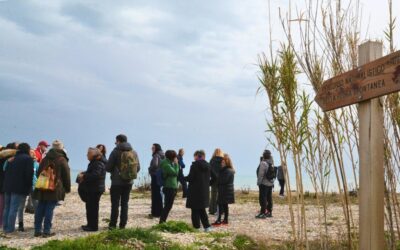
(208, 229)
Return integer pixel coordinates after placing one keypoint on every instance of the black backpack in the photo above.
(271, 172)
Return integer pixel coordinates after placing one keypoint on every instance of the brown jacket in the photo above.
(63, 178)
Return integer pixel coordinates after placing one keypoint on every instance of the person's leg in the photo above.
(21, 210)
(156, 199)
(48, 216)
(115, 198)
(92, 210)
(226, 213)
(220, 211)
(263, 194)
(30, 208)
(15, 202)
(125, 193)
(195, 218)
(261, 198)
(1, 209)
(282, 187)
(183, 183)
(7, 201)
(39, 216)
(269, 199)
(213, 199)
(204, 218)
(169, 202)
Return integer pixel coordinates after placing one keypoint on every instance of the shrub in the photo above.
(243, 242)
(174, 227)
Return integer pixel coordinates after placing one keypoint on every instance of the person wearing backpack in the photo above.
(54, 181)
(17, 185)
(156, 181)
(170, 171)
(265, 184)
(123, 164)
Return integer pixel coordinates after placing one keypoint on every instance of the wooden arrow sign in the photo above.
(371, 80)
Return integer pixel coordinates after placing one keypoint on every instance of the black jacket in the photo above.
(216, 165)
(114, 162)
(199, 179)
(94, 177)
(19, 175)
(226, 190)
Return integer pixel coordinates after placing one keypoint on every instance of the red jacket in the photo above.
(38, 154)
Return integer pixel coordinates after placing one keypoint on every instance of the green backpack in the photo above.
(129, 165)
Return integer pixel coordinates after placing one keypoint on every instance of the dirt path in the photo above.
(71, 215)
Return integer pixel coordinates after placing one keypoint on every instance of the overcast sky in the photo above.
(180, 73)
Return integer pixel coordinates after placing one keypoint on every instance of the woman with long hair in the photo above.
(154, 169)
(215, 163)
(226, 190)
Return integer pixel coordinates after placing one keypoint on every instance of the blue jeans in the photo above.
(44, 211)
(12, 202)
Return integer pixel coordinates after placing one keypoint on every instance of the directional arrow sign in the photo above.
(378, 78)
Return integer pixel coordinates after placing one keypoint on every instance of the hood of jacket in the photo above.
(203, 165)
(55, 153)
(160, 154)
(217, 159)
(124, 146)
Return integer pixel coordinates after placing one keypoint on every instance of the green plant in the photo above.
(244, 242)
(174, 227)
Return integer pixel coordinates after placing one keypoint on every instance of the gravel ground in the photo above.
(71, 215)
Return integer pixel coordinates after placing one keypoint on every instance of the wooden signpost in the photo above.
(376, 76)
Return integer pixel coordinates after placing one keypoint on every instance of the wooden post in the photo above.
(370, 114)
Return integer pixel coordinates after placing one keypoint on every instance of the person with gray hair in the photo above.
(92, 184)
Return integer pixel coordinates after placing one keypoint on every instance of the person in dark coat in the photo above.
(215, 163)
(17, 185)
(198, 199)
(280, 175)
(226, 190)
(120, 189)
(49, 199)
(93, 185)
(5, 153)
(156, 198)
(181, 176)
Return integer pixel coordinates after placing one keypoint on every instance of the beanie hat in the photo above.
(57, 144)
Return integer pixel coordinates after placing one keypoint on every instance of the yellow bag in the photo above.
(46, 179)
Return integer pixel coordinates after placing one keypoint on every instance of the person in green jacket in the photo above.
(170, 170)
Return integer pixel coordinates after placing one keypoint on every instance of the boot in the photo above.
(21, 227)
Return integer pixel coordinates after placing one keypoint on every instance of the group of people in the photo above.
(43, 176)
(20, 171)
(166, 170)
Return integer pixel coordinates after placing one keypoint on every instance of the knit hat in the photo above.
(57, 144)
